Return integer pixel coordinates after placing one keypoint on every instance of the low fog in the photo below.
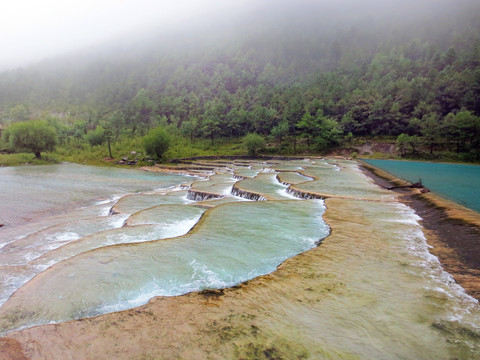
(32, 30)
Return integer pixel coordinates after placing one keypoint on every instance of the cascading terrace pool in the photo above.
(81, 241)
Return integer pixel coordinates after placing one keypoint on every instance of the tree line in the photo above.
(299, 85)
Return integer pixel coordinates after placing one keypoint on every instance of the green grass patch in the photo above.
(132, 149)
(27, 159)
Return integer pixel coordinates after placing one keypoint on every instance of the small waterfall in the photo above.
(282, 182)
(300, 173)
(196, 195)
(305, 195)
(247, 194)
(184, 187)
(113, 211)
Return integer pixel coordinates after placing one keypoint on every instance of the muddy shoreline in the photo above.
(453, 232)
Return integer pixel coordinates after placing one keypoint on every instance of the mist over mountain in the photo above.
(371, 67)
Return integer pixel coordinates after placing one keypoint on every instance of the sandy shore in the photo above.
(452, 230)
(276, 316)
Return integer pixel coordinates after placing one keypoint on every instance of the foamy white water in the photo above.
(395, 300)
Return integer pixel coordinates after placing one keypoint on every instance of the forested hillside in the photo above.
(319, 73)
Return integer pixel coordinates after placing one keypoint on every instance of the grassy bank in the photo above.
(125, 148)
(26, 159)
(386, 148)
(131, 148)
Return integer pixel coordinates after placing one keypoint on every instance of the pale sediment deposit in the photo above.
(370, 290)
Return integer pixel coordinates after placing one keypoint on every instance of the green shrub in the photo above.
(156, 142)
(253, 143)
(96, 137)
(34, 136)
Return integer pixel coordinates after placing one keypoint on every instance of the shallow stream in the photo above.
(81, 241)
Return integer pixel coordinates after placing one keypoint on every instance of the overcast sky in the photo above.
(34, 29)
(31, 30)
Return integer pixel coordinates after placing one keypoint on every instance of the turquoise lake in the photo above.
(456, 182)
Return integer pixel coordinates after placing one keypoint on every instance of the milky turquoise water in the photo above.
(30, 192)
(102, 239)
(456, 182)
(81, 241)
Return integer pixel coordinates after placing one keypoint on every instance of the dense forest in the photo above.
(311, 76)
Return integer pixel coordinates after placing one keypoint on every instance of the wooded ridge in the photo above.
(321, 76)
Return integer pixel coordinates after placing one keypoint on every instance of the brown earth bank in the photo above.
(452, 230)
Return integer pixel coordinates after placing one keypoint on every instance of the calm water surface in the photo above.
(456, 182)
(82, 241)
(28, 192)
